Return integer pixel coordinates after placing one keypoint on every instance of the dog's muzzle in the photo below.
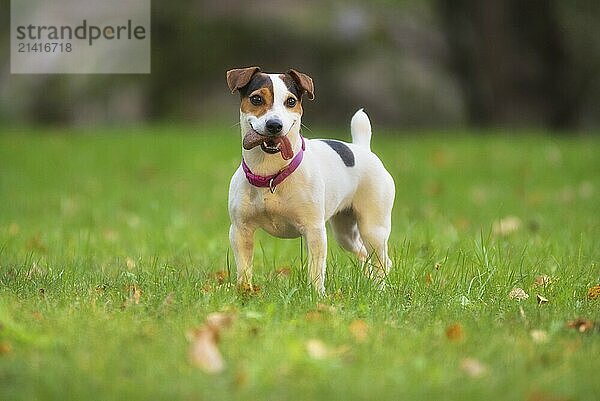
(269, 144)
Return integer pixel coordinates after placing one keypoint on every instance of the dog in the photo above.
(291, 186)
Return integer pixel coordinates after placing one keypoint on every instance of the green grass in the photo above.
(83, 218)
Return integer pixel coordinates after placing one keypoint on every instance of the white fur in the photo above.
(356, 200)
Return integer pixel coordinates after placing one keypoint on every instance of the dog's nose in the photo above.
(274, 126)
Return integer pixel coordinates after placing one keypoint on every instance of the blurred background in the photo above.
(411, 64)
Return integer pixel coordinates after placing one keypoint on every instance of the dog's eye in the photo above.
(290, 102)
(256, 100)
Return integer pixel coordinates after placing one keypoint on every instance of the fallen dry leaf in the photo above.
(248, 289)
(580, 324)
(518, 293)
(204, 352)
(428, 278)
(473, 367)
(283, 272)
(360, 330)
(506, 226)
(317, 349)
(542, 280)
(455, 332)
(539, 336)
(221, 276)
(220, 320)
(5, 347)
(37, 316)
(541, 299)
(593, 292)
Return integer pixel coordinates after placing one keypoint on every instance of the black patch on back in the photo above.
(292, 86)
(259, 80)
(343, 150)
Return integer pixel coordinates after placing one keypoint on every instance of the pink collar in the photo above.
(271, 181)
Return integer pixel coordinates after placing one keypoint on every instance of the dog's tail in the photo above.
(360, 127)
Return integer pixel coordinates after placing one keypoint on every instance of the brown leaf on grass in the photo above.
(593, 292)
(318, 350)
(283, 272)
(541, 299)
(542, 280)
(248, 289)
(428, 279)
(473, 367)
(359, 330)
(36, 315)
(518, 293)
(506, 226)
(220, 320)
(221, 276)
(204, 352)
(5, 347)
(455, 332)
(580, 324)
(539, 336)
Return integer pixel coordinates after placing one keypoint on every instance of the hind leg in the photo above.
(373, 208)
(346, 233)
(376, 238)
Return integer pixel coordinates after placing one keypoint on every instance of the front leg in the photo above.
(316, 242)
(241, 238)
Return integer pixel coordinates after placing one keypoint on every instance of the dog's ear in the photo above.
(304, 82)
(239, 77)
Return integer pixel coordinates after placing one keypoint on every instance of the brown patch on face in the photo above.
(261, 85)
(248, 108)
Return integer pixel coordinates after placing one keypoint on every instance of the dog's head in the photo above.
(271, 107)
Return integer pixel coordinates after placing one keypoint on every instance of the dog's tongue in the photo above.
(285, 147)
(253, 139)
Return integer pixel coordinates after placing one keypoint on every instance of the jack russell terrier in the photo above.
(291, 186)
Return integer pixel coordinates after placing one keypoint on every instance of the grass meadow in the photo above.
(114, 251)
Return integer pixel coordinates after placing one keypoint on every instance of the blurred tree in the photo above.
(513, 61)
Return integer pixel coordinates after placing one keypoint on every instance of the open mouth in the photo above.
(269, 144)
